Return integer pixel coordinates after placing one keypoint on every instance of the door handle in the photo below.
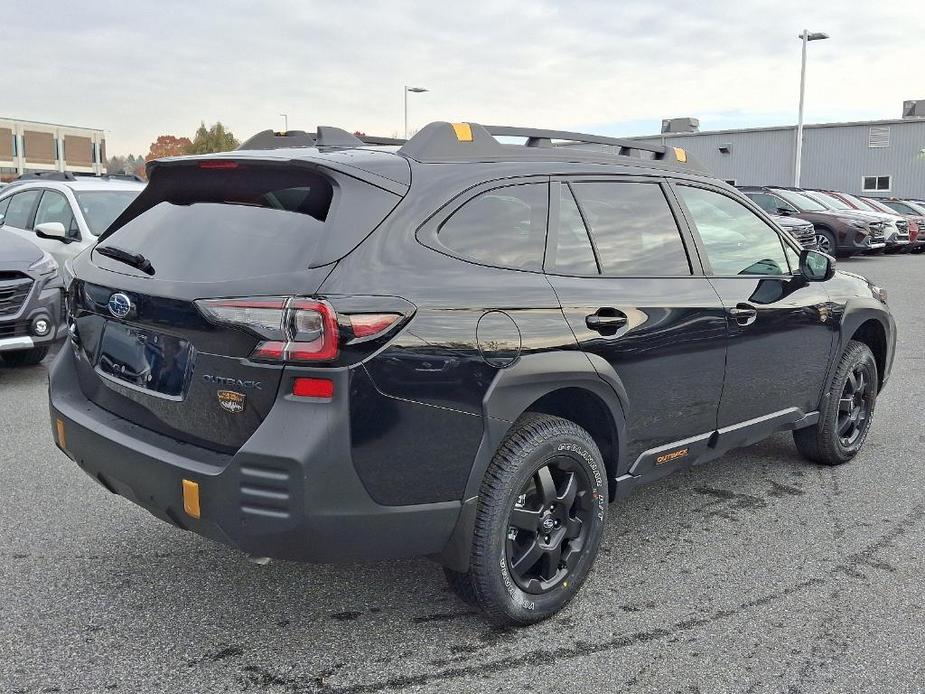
(606, 321)
(744, 314)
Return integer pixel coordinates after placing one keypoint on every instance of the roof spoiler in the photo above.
(441, 142)
(324, 136)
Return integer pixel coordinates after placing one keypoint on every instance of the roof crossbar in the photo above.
(458, 142)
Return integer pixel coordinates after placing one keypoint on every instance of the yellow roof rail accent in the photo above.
(463, 132)
(680, 155)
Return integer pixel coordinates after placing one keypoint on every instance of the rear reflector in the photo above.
(313, 388)
(191, 498)
(59, 430)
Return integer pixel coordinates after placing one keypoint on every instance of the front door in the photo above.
(781, 327)
(636, 298)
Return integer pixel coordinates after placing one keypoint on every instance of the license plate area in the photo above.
(145, 360)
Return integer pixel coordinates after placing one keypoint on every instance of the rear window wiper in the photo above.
(136, 260)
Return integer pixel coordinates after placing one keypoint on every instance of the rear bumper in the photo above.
(291, 492)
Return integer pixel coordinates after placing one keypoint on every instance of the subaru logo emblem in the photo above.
(119, 305)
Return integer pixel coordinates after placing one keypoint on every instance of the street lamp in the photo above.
(285, 122)
(413, 90)
(805, 37)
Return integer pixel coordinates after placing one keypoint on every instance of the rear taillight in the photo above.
(291, 329)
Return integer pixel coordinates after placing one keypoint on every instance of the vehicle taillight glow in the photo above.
(369, 324)
(313, 388)
(218, 164)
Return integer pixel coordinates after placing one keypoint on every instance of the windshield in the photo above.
(802, 202)
(101, 207)
(829, 201)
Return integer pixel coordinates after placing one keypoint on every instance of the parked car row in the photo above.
(45, 221)
(845, 224)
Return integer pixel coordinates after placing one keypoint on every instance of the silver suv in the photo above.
(62, 213)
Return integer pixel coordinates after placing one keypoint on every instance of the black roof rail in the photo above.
(46, 176)
(111, 176)
(324, 136)
(443, 142)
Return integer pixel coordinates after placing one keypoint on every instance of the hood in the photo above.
(17, 253)
(790, 222)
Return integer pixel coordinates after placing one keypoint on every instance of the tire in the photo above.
(25, 357)
(540, 517)
(845, 419)
(825, 242)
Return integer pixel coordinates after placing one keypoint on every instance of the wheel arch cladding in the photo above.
(872, 333)
(562, 383)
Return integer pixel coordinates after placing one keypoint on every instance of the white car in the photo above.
(64, 214)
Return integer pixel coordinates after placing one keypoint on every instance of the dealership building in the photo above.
(882, 158)
(27, 146)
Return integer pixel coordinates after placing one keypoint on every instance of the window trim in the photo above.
(687, 241)
(877, 177)
(427, 233)
(742, 199)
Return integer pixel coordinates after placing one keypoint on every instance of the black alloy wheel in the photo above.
(549, 525)
(854, 406)
(538, 523)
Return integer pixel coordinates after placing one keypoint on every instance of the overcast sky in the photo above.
(141, 69)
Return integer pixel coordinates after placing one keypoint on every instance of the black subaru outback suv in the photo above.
(458, 348)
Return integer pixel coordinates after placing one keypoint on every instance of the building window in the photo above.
(879, 136)
(876, 183)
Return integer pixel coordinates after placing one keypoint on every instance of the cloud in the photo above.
(141, 70)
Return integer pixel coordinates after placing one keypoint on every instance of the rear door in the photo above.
(633, 293)
(781, 328)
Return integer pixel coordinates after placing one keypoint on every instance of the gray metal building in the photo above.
(882, 158)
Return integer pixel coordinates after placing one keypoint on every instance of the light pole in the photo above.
(285, 122)
(414, 90)
(805, 37)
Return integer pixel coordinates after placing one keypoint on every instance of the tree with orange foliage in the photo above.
(168, 146)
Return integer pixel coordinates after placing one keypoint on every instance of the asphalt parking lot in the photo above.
(754, 573)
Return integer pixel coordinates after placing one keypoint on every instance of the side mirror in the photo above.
(816, 266)
(52, 230)
(784, 211)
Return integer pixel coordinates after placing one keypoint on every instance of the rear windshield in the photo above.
(101, 207)
(210, 225)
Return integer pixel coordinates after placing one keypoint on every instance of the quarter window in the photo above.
(633, 229)
(3, 205)
(504, 227)
(20, 210)
(874, 183)
(737, 241)
(574, 254)
(54, 207)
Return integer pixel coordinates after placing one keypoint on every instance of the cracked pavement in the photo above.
(754, 573)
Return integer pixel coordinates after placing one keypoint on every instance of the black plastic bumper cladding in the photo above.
(290, 492)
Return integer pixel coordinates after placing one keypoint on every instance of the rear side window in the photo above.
(633, 229)
(19, 213)
(504, 227)
(210, 225)
(3, 205)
